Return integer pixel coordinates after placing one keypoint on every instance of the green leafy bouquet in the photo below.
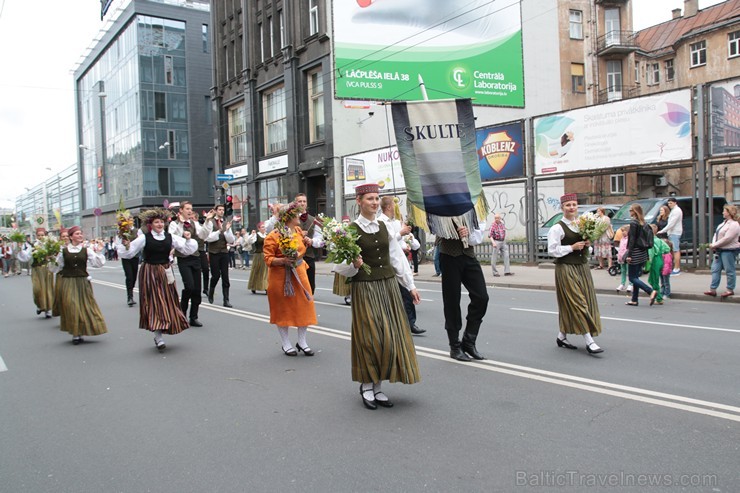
(17, 237)
(46, 251)
(341, 242)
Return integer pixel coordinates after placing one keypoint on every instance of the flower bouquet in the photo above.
(125, 223)
(591, 226)
(341, 243)
(46, 252)
(17, 237)
(288, 245)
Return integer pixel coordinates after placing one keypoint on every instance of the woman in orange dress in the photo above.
(291, 301)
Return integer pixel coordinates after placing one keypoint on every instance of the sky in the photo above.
(42, 41)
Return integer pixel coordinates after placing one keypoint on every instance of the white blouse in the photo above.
(186, 247)
(94, 259)
(398, 259)
(554, 237)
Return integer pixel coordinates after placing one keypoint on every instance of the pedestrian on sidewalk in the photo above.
(603, 246)
(725, 246)
(637, 254)
(674, 230)
(621, 237)
(665, 274)
(578, 309)
(655, 264)
(497, 234)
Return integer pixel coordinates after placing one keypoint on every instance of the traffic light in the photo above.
(229, 206)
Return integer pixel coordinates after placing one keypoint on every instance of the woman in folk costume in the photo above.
(341, 285)
(79, 312)
(56, 308)
(288, 289)
(159, 306)
(574, 286)
(258, 274)
(382, 348)
(42, 279)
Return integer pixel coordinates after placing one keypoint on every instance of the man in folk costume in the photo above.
(390, 214)
(578, 310)
(436, 143)
(218, 252)
(189, 265)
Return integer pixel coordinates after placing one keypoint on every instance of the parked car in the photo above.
(651, 208)
(611, 209)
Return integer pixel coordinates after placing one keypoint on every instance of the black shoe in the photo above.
(77, 340)
(564, 343)
(38, 312)
(593, 351)
(195, 323)
(385, 403)
(131, 301)
(458, 354)
(472, 351)
(347, 300)
(227, 304)
(306, 350)
(254, 292)
(368, 404)
(205, 292)
(290, 352)
(417, 330)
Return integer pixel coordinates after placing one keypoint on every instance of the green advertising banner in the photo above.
(459, 48)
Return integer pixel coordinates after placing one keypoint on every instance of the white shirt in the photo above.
(186, 247)
(202, 231)
(675, 222)
(94, 259)
(215, 235)
(556, 234)
(398, 259)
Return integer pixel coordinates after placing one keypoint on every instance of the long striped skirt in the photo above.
(578, 308)
(258, 275)
(382, 347)
(341, 286)
(159, 305)
(79, 312)
(56, 308)
(42, 282)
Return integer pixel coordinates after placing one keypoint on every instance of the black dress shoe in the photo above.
(254, 292)
(564, 343)
(131, 302)
(290, 352)
(306, 350)
(594, 351)
(385, 403)
(227, 304)
(472, 351)
(194, 322)
(458, 354)
(38, 312)
(417, 330)
(370, 404)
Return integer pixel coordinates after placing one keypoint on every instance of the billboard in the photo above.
(459, 48)
(382, 166)
(500, 151)
(724, 124)
(651, 129)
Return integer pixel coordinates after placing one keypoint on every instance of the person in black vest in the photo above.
(205, 266)
(578, 310)
(218, 252)
(159, 308)
(189, 265)
(460, 266)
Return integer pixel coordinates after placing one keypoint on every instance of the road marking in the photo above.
(647, 396)
(2, 365)
(668, 324)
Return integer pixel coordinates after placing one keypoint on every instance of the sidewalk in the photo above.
(687, 286)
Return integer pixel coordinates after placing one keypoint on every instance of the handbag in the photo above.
(170, 275)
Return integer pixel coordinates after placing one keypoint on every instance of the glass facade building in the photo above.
(58, 197)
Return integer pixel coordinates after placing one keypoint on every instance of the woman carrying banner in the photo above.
(382, 347)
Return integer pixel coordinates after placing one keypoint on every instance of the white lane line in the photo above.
(2, 365)
(597, 386)
(648, 322)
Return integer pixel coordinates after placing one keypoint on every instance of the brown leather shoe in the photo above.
(710, 293)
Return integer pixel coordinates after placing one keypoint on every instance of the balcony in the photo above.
(616, 43)
(610, 2)
(617, 93)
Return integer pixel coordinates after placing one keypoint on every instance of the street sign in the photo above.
(225, 186)
(224, 177)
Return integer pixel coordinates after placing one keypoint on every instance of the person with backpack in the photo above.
(639, 243)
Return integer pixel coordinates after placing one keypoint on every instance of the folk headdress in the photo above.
(568, 197)
(288, 212)
(149, 215)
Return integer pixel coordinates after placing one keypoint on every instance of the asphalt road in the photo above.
(222, 409)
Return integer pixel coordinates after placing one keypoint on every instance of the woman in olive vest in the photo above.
(79, 312)
(382, 347)
(574, 286)
(42, 280)
(159, 306)
(258, 274)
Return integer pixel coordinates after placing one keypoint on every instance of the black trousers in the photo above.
(415, 260)
(220, 268)
(311, 272)
(130, 270)
(189, 268)
(204, 267)
(466, 271)
(408, 305)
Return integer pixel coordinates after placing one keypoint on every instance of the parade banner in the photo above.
(500, 151)
(646, 130)
(459, 48)
(724, 123)
(436, 143)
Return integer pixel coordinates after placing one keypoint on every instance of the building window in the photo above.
(168, 68)
(272, 37)
(576, 78)
(637, 72)
(313, 15)
(654, 71)
(736, 188)
(163, 175)
(576, 24)
(170, 144)
(160, 106)
(614, 80)
(698, 53)
(207, 110)
(210, 179)
(617, 184)
(271, 191)
(316, 105)
(733, 44)
(281, 17)
(204, 37)
(670, 72)
(275, 121)
(237, 135)
(262, 42)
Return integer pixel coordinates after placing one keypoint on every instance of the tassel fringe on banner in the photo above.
(446, 227)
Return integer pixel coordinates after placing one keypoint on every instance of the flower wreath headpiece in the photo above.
(148, 216)
(288, 212)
